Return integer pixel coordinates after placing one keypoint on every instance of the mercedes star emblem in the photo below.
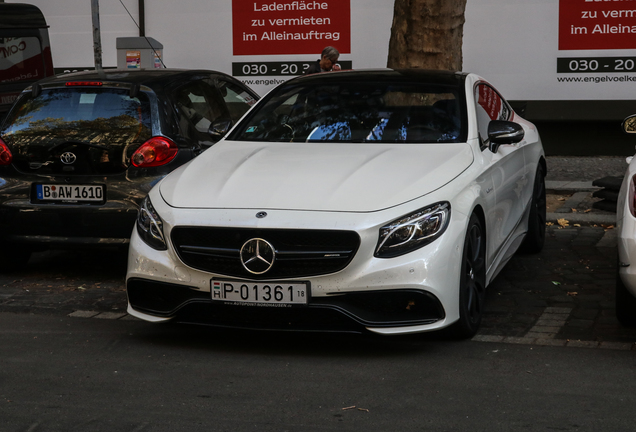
(68, 158)
(257, 256)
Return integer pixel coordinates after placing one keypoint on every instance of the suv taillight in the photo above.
(156, 151)
(5, 154)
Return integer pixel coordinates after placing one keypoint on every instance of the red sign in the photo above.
(269, 27)
(597, 24)
(490, 102)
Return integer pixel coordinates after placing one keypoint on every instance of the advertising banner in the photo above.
(531, 50)
(554, 50)
(275, 40)
(264, 27)
(602, 25)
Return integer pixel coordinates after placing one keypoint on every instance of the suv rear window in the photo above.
(85, 112)
(102, 121)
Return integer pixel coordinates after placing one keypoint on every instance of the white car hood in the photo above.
(313, 176)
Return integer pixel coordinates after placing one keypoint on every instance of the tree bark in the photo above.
(427, 34)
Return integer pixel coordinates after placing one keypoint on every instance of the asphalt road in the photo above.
(66, 374)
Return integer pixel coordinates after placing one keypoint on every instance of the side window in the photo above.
(489, 106)
(237, 100)
(200, 104)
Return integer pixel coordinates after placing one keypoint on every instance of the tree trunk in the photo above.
(427, 34)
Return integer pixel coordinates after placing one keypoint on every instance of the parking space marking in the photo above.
(83, 314)
(110, 315)
(98, 315)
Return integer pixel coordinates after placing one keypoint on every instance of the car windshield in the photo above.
(97, 115)
(367, 112)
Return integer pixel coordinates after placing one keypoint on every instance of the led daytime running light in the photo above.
(413, 231)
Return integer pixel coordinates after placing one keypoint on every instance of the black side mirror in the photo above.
(503, 132)
(629, 124)
(219, 128)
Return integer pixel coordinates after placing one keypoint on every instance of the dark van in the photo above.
(25, 51)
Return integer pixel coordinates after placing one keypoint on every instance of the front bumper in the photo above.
(346, 312)
(415, 292)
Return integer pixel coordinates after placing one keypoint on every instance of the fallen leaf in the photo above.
(563, 222)
(587, 211)
(576, 225)
(574, 210)
(556, 283)
(81, 288)
(573, 294)
(549, 223)
(363, 409)
(348, 408)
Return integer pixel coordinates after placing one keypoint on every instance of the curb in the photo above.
(583, 218)
(564, 186)
(556, 186)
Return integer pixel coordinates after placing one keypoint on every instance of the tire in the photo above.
(472, 284)
(625, 304)
(535, 237)
(13, 257)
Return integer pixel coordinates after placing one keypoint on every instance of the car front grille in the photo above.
(298, 253)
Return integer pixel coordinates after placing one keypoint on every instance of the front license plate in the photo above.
(260, 293)
(69, 193)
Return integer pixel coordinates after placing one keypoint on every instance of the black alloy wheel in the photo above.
(535, 237)
(472, 285)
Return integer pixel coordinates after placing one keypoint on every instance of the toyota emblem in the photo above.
(68, 158)
(257, 256)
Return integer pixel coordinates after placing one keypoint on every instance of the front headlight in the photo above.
(150, 226)
(413, 231)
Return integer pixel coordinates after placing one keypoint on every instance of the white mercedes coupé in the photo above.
(382, 201)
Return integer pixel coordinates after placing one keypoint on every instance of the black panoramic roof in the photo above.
(430, 76)
(20, 16)
(148, 77)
